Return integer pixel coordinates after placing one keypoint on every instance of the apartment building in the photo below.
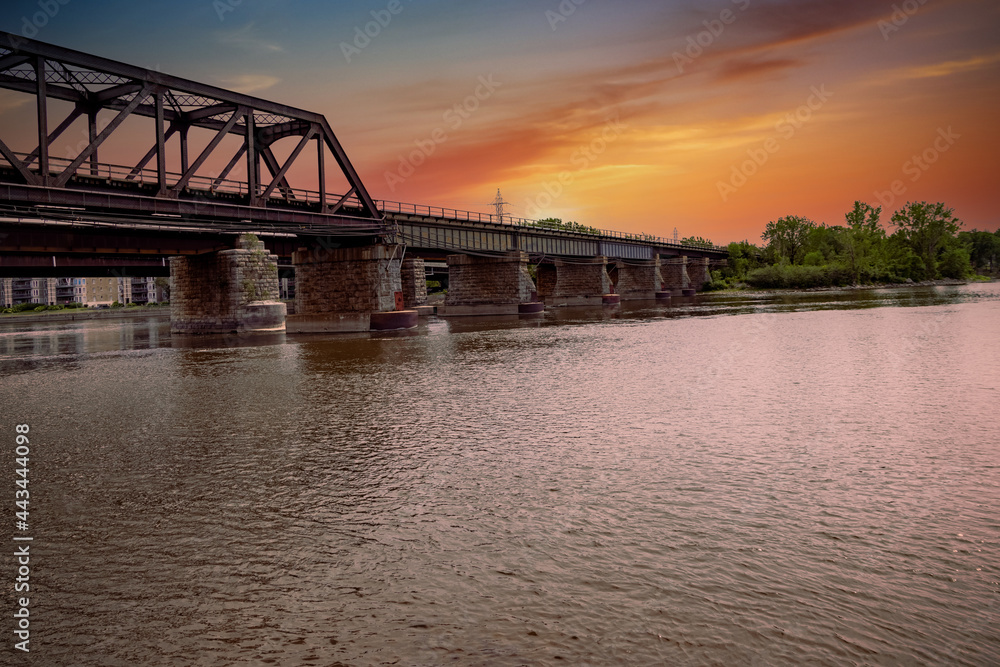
(88, 291)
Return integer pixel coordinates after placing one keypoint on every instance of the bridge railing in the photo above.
(114, 173)
(473, 216)
(117, 173)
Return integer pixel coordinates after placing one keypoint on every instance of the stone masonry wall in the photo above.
(582, 277)
(474, 281)
(639, 278)
(346, 280)
(212, 293)
(674, 271)
(545, 280)
(698, 271)
(414, 282)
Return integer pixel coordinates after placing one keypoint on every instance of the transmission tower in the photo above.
(500, 205)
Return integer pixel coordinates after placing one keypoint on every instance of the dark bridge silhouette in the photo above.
(210, 166)
(213, 180)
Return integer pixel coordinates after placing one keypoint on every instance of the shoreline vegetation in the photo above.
(65, 314)
(926, 244)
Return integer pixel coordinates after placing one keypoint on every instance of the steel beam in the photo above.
(41, 99)
(93, 83)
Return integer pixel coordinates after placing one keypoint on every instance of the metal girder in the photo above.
(280, 176)
(73, 115)
(95, 85)
(186, 176)
(64, 177)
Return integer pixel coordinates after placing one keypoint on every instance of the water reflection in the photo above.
(813, 479)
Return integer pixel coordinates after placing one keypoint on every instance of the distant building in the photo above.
(27, 290)
(88, 291)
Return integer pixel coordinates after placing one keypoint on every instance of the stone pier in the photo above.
(580, 282)
(675, 275)
(489, 285)
(414, 283)
(347, 289)
(229, 291)
(639, 279)
(698, 272)
(545, 281)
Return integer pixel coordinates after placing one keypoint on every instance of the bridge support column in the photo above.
(698, 272)
(639, 279)
(230, 291)
(347, 289)
(489, 285)
(675, 276)
(414, 283)
(581, 282)
(545, 281)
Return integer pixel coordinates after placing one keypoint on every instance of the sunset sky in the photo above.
(709, 117)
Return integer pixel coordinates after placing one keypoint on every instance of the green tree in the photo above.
(927, 228)
(698, 241)
(983, 249)
(787, 236)
(164, 283)
(743, 258)
(862, 238)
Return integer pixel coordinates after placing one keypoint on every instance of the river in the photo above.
(750, 479)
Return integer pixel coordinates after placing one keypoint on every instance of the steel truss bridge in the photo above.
(205, 164)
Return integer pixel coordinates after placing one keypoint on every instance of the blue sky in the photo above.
(697, 89)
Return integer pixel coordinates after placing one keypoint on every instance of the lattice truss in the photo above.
(94, 85)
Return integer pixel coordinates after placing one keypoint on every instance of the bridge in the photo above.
(205, 176)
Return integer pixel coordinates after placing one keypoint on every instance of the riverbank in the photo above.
(947, 282)
(79, 314)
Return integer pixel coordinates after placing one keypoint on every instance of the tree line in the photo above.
(925, 243)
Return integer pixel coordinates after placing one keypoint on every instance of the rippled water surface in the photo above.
(734, 480)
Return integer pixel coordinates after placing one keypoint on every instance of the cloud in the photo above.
(10, 100)
(950, 67)
(247, 38)
(735, 69)
(250, 83)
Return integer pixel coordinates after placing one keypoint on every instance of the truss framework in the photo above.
(94, 84)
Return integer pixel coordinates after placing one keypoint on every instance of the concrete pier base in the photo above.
(345, 290)
(230, 291)
(328, 323)
(639, 280)
(698, 272)
(481, 309)
(580, 282)
(487, 285)
(675, 275)
(413, 280)
(399, 319)
(572, 301)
